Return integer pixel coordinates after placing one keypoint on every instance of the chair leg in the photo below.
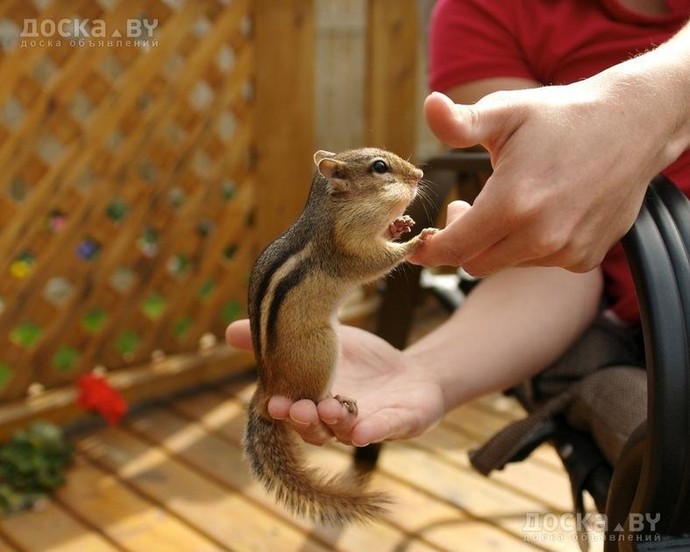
(397, 307)
(367, 457)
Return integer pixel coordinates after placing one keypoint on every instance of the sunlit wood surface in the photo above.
(172, 478)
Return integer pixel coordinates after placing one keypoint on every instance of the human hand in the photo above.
(571, 166)
(394, 399)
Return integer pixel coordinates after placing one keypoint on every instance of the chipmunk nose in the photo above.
(418, 173)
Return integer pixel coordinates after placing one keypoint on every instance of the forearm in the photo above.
(656, 86)
(512, 325)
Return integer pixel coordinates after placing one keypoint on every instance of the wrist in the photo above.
(433, 363)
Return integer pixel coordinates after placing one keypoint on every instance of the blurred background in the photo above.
(150, 148)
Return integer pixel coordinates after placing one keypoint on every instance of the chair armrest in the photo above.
(658, 249)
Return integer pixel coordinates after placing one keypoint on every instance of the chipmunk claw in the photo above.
(348, 403)
(401, 225)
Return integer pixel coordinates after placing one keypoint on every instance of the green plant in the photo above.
(32, 465)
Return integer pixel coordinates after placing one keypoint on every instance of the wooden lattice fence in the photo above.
(148, 149)
(127, 183)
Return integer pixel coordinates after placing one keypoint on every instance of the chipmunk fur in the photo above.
(343, 238)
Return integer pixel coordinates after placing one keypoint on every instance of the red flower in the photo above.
(96, 394)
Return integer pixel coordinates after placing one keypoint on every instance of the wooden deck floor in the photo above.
(172, 479)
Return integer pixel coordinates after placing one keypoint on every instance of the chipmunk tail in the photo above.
(275, 460)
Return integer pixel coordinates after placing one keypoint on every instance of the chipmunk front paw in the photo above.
(418, 241)
(426, 233)
(348, 403)
(401, 225)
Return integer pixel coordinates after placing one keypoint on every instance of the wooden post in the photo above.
(284, 115)
(391, 122)
(390, 96)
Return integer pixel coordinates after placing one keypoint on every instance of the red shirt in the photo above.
(552, 42)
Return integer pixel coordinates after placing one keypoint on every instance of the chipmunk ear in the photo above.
(332, 169)
(321, 155)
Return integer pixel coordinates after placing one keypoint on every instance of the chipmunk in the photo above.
(343, 238)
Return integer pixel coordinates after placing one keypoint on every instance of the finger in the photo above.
(456, 209)
(537, 245)
(476, 229)
(508, 252)
(381, 426)
(239, 335)
(449, 122)
(462, 126)
(304, 418)
(338, 419)
(279, 407)
(530, 248)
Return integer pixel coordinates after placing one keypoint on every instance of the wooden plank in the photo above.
(222, 514)
(414, 511)
(501, 405)
(200, 474)
(476, 421)
(127, 519)
(50, 528)
(138, 383)
(284, 111)
(221, 460)
(541, 479)
(479, 497)
(340, 62)
(475, 494)
(467, 427)
(391, 76)
(528, 478)
(417, 513)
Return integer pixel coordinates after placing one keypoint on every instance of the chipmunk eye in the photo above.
(380, 166)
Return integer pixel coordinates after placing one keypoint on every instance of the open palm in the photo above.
(395, 400)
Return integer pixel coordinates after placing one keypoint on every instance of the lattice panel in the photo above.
(126, 184)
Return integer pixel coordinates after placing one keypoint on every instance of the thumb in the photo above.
(238, 334)
(459, 126)
(441, 247)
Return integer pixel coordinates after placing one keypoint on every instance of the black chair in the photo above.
(647, 496)
(653, 474)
